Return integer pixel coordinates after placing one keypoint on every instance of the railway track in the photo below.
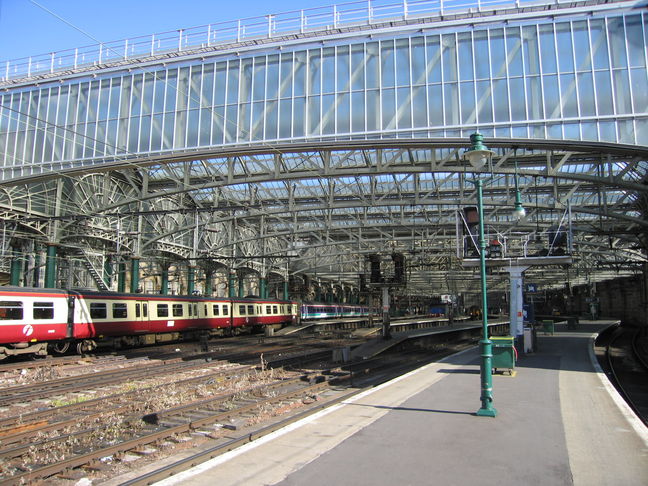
(72, 431)
(203, 416)
(213, 402)
(50, 419)
(140, 368)
(368, 373)
(83, 383)
(622, 353)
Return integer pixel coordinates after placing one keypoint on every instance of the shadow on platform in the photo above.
(408, 409)
(460, 371)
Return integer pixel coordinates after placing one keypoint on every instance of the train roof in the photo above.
(31, 290)
(127, 296)
(91, 293)
(260, 300)
(346, 304)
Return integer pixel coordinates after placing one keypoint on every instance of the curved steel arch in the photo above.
(407, 183)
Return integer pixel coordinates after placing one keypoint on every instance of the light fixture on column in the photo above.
(479, 155)
(518, 211)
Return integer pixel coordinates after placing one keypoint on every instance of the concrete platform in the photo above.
(559, 423)
(378, 345)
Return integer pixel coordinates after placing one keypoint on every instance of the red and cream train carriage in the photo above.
(31, 320)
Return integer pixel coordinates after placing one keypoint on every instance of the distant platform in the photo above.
(379, 345)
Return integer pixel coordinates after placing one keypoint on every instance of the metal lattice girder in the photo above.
(328, 205)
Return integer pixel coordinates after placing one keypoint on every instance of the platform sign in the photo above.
(531, 288)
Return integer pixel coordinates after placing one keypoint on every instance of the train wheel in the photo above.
(61, 347)
(85, 346)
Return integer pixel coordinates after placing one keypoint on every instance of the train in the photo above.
(38, 321)
(317, 310)
(35, 321)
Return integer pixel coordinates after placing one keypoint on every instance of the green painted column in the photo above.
(121, 277)
(230, 285)
(191, 279)
(263, 288)
(16, 263)
(135, 261)
(37, 262)
(486, 369)
(209, 285)
(241, 287)
(285, 290)
(164, 289)
(107, 272)
(50, 267)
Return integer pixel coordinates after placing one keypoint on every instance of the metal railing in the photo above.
(295, 22)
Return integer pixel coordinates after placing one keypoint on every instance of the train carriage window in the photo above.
(138, 311)
(145, 309)
(177, 310)
(98, 310)
(250, 310)
(190, 310)
(216, 309)
(119, 311)
(275, 310)
(226, 310)
(195, 306)
(43, 310)
(163, 310)
(268, 309)
(205, 309)
(10, 310)
(242, 310)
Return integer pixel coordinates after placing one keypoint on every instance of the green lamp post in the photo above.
(478, 155)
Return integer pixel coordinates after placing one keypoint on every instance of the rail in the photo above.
(181, 41)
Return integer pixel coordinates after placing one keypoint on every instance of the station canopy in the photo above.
(321, 209)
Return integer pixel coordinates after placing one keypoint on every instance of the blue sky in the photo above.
(27, 29)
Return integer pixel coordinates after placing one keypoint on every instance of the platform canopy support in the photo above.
(231, 284)
(386, 330)
(191, 278)
(516, 300)
(135, 261)
(164, 286)
(50, 266)
(16, 262)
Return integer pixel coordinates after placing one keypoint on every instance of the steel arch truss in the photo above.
(320, 209)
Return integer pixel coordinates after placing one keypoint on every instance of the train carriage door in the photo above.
(141, 314)
(70, 317)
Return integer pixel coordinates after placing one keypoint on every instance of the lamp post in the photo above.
(478, 155)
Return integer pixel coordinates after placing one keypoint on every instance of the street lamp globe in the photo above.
(478, 154)
(519, 212)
